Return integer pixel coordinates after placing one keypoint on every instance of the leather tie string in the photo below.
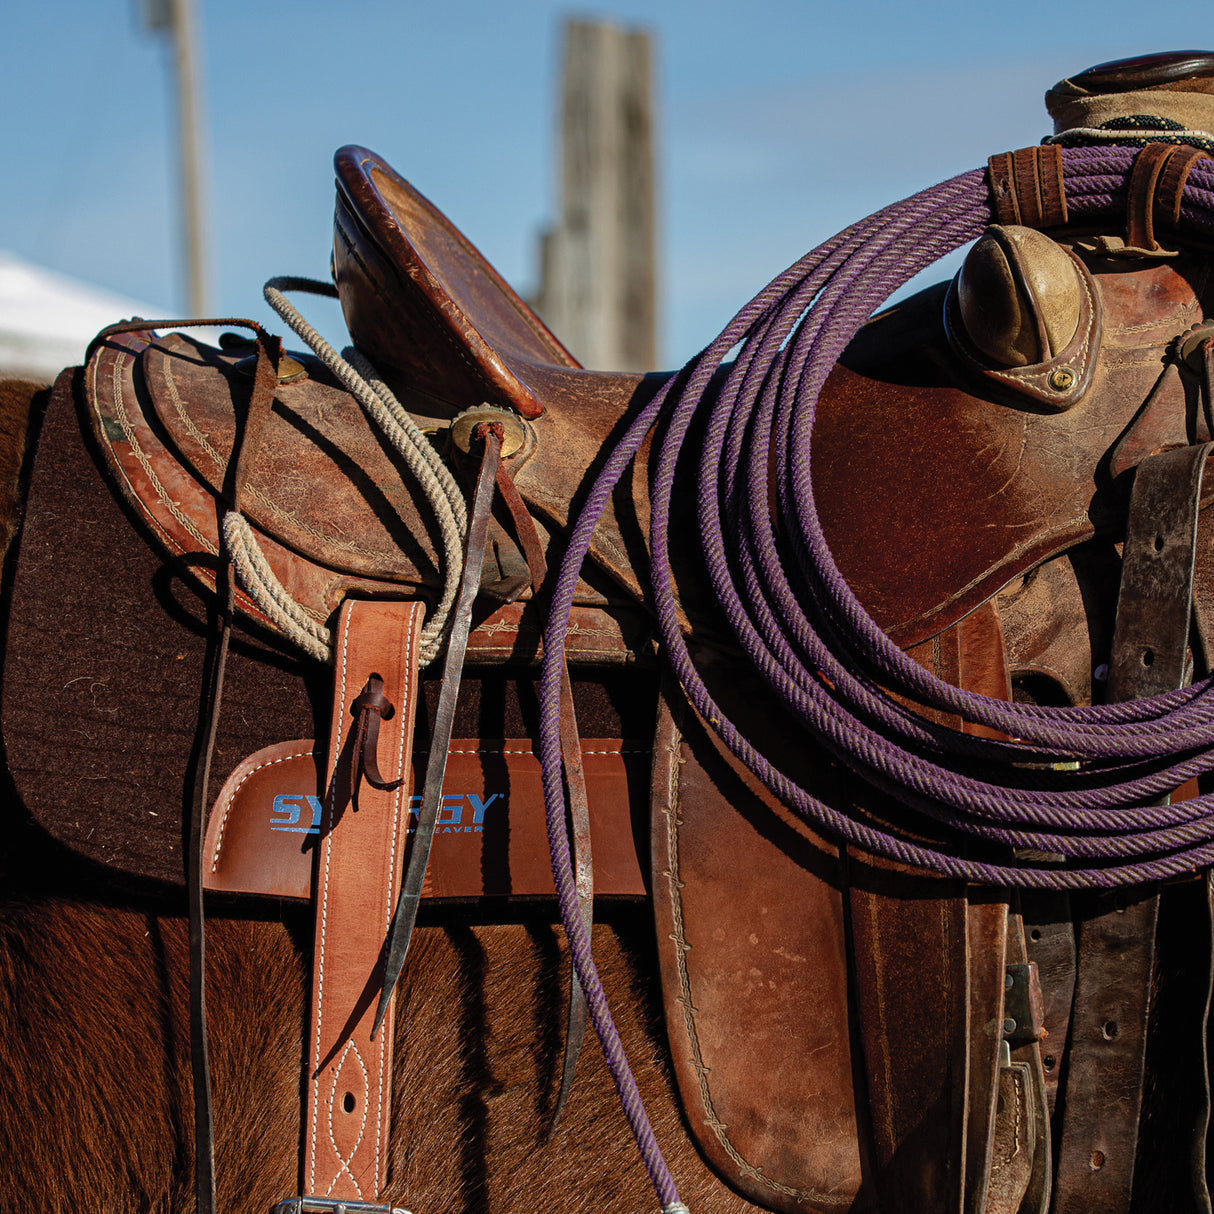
(575, 784)
(405, 915)
(372, 706)
(261, 401)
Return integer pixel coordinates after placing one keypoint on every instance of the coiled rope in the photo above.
(824, 659)
(446, 499)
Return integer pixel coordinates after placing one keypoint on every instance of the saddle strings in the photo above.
(823, 657)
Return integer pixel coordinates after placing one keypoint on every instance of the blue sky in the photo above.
(778, 124)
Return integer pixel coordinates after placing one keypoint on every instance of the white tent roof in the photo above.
(47, 319)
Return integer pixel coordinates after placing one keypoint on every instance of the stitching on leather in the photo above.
(225, 810)
(141, 456)
(187, 421)
(345, 1159)
(670, 812)
(1182, 315)
(340, 699)
(1012, 1149)
(274, 508)
(227, 807)
(119, 471)
(408, 692)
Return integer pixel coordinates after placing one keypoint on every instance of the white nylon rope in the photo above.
(361, 379)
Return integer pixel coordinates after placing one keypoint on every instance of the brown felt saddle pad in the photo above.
(103, 670)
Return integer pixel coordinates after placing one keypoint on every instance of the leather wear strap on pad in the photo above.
(490, 840)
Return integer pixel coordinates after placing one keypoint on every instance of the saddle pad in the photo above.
(490, 839)
(103, 670)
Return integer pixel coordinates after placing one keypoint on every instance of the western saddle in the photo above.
(996, 464)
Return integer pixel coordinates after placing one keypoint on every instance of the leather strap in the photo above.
(1156, 189)
(358, 867)
(269, 351)
(1027, 187)
(1103, 1097)
(400, 928)
(575, 785)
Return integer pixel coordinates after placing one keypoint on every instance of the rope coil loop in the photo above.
(822, 656)
(360, 378)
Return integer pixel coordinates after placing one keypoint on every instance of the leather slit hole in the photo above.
(1049, 1062)
(1108, 1030)
(1148, 657)
(1159, 543)
(347, 1102)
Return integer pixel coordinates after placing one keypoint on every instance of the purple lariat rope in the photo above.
(822, 656)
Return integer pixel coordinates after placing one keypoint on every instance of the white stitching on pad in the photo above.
(227, 808)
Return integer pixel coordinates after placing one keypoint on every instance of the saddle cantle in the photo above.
(431, 314)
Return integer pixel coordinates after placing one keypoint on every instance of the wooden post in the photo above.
(598, 287)
(175, 19)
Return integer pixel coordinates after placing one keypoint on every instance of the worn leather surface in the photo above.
(899, 410)
(753, 934)
(490, 840)
(1020, 296)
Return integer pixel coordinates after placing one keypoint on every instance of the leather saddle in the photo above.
(973, 484)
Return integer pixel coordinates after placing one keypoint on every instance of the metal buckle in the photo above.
(327, 1205)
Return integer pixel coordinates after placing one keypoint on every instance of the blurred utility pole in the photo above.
(598, 276)
(175, 19)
